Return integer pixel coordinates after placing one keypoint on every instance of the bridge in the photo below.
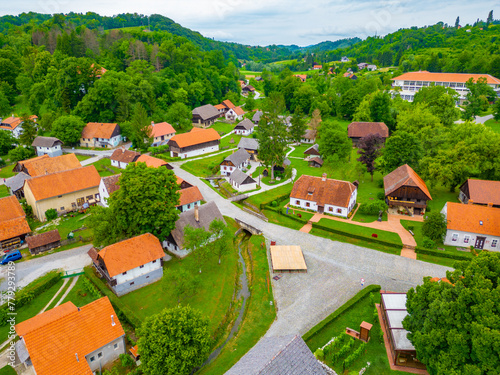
(247, 227)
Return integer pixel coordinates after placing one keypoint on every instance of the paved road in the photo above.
(28, 271)
(478, 119)
(334, 270)
(102, 153)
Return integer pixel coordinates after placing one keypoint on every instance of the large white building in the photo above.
(196, 142)
(411, 82)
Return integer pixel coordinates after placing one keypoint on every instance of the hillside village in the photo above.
(165, 217)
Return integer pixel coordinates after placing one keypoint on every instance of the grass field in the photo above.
(259, 314)
(375, 350)
(6, 171)
(493, 124)
(223, 127)
(206, 166)
(103, 165)
(4, 191)
(230, 141)
(79, 295)
(82, 157)
(270, 195)
(7, 370)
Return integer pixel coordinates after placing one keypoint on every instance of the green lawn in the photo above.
(440, 195)
(259, 313)
(493, 124)
(82, 157)
(206, 166)
(375, 350)
(299, 150)
(6, 171)
(79, 295)
(7, 370)
(61, 293)
(31, 309)
(102, 166)
(214, 294)
(230, 141)
(270, 195)
(4, 191)
(285, 221)
(223, 127)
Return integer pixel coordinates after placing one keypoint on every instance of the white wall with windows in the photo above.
(200, 151)
(466, 239)
(134, 273)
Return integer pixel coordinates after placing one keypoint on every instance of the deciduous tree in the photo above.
(334, 145)
(179, 116)
(299, 127)
(196, 240)
(184, 283)
(174, 342)
(400, 148)
(140, 131)
(434, 226)
(29, 131)
(68, 129)
(223, 236)
(369, 149)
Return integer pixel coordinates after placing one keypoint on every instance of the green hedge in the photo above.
(346, 306)
(282, 211)
(442, 254)
(27, 294)
(357, 236)
(123, 312)
(278, 199)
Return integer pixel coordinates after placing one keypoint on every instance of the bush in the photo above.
(127, 361)
(51, 214)
(372, 208)
(381, 196)
(274, 204)
(380, 184)
(319, 354)
(428, 243)
(21, 153)
(28, 210)
(434, 226)
(2, 163)
(442, 254)
(91, 288)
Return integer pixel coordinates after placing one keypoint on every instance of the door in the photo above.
(321, 209)
(480, 242)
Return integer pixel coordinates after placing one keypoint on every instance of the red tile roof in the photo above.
(404, 176)
(58, 340)
(362, 129)
(124, 156)
(195, 137)
(473, 218)
(12, 219)
(132, 253)
(151, 161)
(228, 104)
(314, 189)
(65, 182)
(111, 183)
(484, 191)
(100, 130)
(13, 122)
(239, 111)
(189, 195)
(45, 164)
(162, 128)
(445, 77)
(43, 239)
(220, 106)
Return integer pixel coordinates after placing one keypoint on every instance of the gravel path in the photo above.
(334, 270)
(28, 271)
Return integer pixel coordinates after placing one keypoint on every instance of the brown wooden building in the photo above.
(405, 192)
(483, 192)
(44, 241)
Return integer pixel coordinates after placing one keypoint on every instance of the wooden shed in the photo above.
(287, 259)
(44, 241)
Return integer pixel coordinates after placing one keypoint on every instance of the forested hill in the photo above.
(438, 48)
(324, 46)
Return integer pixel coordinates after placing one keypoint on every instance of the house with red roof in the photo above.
(196, 142)
(130, 264)
(405, 192)
(71, 340)
(472, 225)
(358, 130)
(189, 198)
(13, 224)
(483, 192)
(161, 133)
(234, 114)
(122, 157)
(324, 195)
(14, 124)
(99, 134)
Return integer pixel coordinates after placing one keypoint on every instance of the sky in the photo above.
(265, 22)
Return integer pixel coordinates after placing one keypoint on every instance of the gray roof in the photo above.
(245, 124)
(286, 162)
(249, 144)
(207, 213)
(17, 182)
(257, 115)
(241, 178)
(46, 142)
(238, 157)
(206, 111)
(313, 150)
(22, 351)
(286, 355)
(309, 134)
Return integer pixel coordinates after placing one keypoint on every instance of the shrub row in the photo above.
(343, 351)
(278, 199)
(336, 344)
(357, 236)
(352, 357)
(123, 312)
(91, 288)
(442, 254)
(282, 211)
(27, 294)
(346, 306)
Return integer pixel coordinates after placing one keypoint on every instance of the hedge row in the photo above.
(278, 199)
(346, 306)
(27, 294)
(442, 254)
(282, 211)
(352, 235)
(123, 312)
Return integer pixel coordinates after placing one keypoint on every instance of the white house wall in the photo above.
(200, 151)
(103, 192)
(51, 151)
(472, 240)
(136, 272)
(302, 203)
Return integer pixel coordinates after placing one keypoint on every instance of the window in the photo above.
(339, 210)
(147, 277)
(494, 243)
(92, 359)
(97, 197)
(80, 201)
(132, 283)
(297, 202)
(99, 355)
(115, 346)
(62, 208)
(466, 239)
(59, 196)
(154, 261)
(73, 205)
(189, 206)
(124, 273)
(141, 266)
(454, 237)
(89, 197)
(308, 204)
(330, 209)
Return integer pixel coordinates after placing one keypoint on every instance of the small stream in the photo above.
(243, 292)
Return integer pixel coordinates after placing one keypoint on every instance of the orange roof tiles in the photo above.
(220, 106)
(189, 195)
(239, 111)
(43, 239)
(132, 253)
(12, 122)
(404, 176)
(314, 189)
(445, 77)
(12, 219)
(65, 182)
(100, 130)
(195, 137)
(124, 156)
(228, 104)
(151, 161)
(46, 165)
(135, 351)
(162, 128)
(473, 218)
(59, 342)
(362, 129)
(484, 191)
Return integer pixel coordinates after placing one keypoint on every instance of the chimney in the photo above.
(152, 123)
(113, 320)
(490, 204)
(470, 201)
(323, 177)
(196, 214)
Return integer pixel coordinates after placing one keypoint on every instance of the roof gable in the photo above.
(249, 144)
(238, 157)
(100, 130)
(241, 178)
(245, 124)
(46, 142)
(473, 218)
(111, 183)
(328, 191)
(404, 176)
(12, 218)
(162, 128)
(189, 195)
(43, 239)
(484, 191)
(206, 112)
(132, 253)
(151, 161)
(124, 156)
(46, 165)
